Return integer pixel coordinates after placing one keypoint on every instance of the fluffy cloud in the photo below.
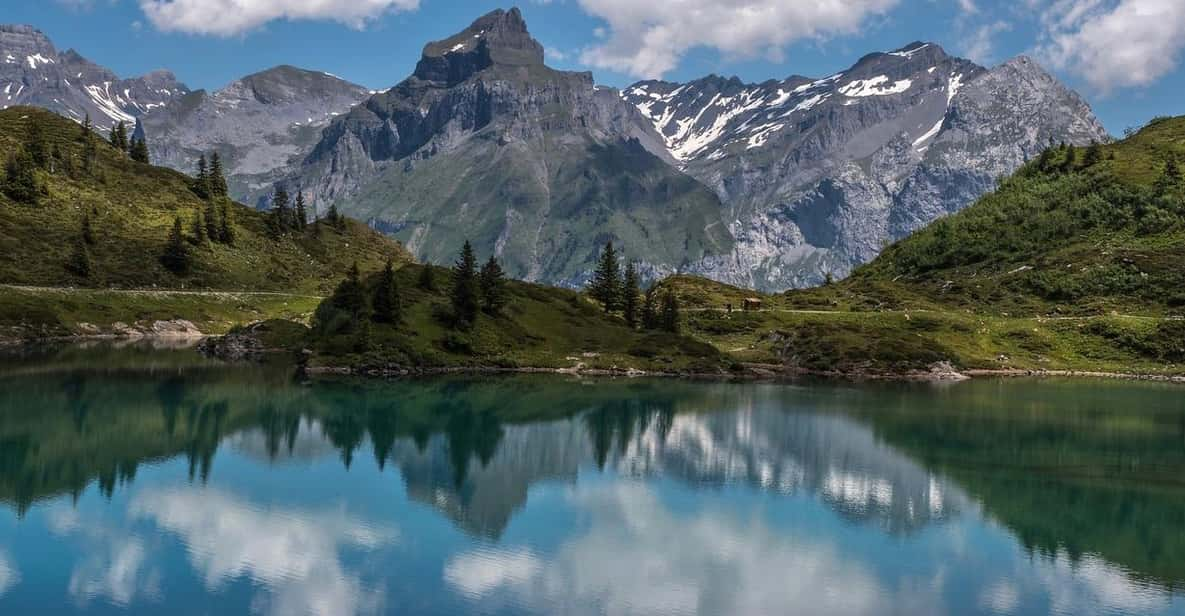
(231, 17)
(647, 39)
(1114, 43)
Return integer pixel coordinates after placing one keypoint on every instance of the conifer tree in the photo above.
(388, 305)
(35, 144)
(89, 147)
(1070, 159)
(631, 294)
(119, 137)
(427, 279)
(211, 218)
(301, 213)
(79, 262)
(20, 178)
(351, 295)
(198, 233)
(226, 227)
(670, 312)
(280, 219)
(1094, 154)
(218, 186)
(87, 129)
(465, 300)
(201, 183)
(85, 231)
(650, 309)
(139, 151)
(176, 255)
(493, 286)
(606, 283)
(335, 218)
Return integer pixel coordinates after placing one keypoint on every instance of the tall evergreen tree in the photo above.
(388, 305)
(1094, 154)
(351, 295)
(90, 149)
(1070, 160)
(35, 144)
(281, 215)
(176, 255)
(139, 151)
(650, 309)
(493, 286)
(465, 292)
(301, 213)
(198, 232)
(670, 312)
(211, 218)
(20, 178)
(218, 186)
(335, 218)
(201, 183)
(631, 295)
(226, 226)
(606, 283)
(87, 129)
(79, 262)
(427, 279)
(119, 137)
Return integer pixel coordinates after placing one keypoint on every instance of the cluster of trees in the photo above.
(216, 222)
(289, 216)
(135, 148)
(620, 291)
(1063, 158)
(36, 155)
(475, 290)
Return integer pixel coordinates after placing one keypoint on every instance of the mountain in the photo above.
(538, 166)
(817, 175)
(33, 72)
(261, 125)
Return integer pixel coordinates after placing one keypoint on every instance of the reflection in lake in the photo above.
(142, 481)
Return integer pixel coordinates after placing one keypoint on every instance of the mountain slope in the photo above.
(261, 125)
(33, 72)
(817, 175)
(130, 208)
(537, 166)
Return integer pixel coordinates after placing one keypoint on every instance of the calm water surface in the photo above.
(153, 482)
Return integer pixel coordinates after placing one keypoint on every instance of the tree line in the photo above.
(619, 290)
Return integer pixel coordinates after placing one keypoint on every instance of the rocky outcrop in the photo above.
(817, 175)
(33, 72)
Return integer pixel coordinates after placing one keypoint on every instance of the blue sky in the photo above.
(1122, 55)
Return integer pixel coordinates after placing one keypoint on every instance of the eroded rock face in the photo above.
(540, 167)
(817, 175)
(33, 72)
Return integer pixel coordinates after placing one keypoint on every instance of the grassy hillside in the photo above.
(540, 327)
(131, 208)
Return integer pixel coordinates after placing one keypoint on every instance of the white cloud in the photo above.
(980, 45)
(9, 576)
(231, 17)
(1114, 44)
(294, 554)
(647, 38)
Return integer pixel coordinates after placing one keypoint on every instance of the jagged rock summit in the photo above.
(540, 167)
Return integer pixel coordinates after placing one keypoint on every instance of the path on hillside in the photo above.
(157, 292)
(922, 311)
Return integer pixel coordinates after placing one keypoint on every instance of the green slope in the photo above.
(131, 208)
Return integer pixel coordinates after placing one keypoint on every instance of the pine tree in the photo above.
(493, 286)
(20, 178)
(218, 186)
(119, 137)
(1070, 159)
(630, 295)
(198, 232)
(650, 309)
(280, 219)
(335, 218)
(226, 227)
(35, 144)
(351, 295)
(302, 213)
(211, 217)
(427, 279)
(87, 129)
(176, 255)
(201, 183)
(85, 231)
(388, 305)
(139, 151)
(670, 312)
(89, 147)
(606, 284)
(79, 262)
(465, 292)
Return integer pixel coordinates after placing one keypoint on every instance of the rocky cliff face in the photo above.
(261, 125)
(538, 166)
(33, 72)
(817, 175)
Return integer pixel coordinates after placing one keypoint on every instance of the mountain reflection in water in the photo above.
(574, 496)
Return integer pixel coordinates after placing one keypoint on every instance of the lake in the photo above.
(151, 481)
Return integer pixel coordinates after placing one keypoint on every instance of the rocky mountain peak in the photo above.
(499, 38)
